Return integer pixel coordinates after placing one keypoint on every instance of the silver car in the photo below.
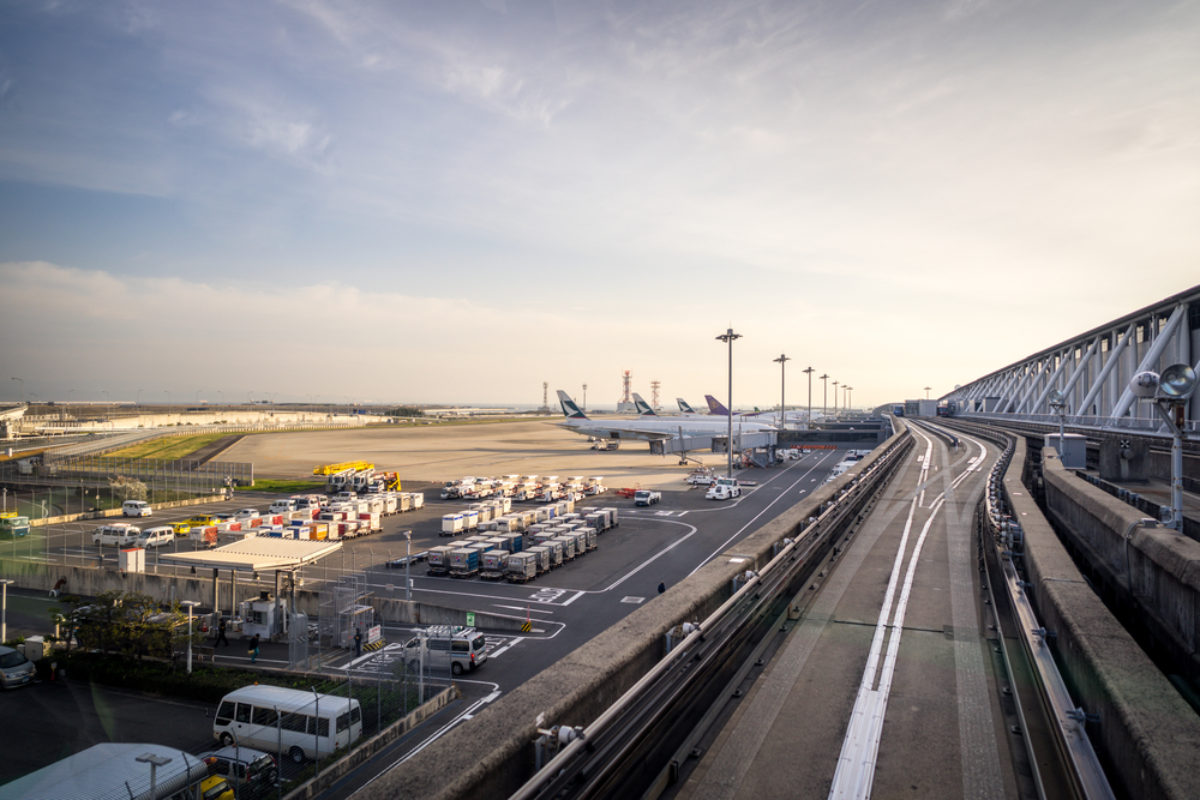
(15, 669)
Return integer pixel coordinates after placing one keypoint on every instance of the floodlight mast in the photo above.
(782, 362)
(729, 337)
(809, 371)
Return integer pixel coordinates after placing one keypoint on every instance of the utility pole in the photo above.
(729, 337)
(782, 362)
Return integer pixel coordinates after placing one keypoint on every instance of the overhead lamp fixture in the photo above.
(1170, 392)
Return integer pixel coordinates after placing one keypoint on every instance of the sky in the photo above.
(456, 202)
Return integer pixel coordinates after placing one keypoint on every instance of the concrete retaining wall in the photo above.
(1147, 735)
(1160, 567)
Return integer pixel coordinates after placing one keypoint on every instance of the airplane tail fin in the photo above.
(684, 407)
(643, 407)
(570, 410)
(715, 407)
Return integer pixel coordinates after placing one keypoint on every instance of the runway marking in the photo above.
(633, 600)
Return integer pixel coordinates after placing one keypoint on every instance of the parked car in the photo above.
(15, 669)
(251, 773)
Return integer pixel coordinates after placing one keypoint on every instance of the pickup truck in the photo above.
(643, 497)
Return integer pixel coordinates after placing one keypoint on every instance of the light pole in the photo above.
(824, 395)
(585, 398)
(927, 388)
(155, 761)
(849, 394)
(809, 371)
(835, 397)
(4, 582)
(1170, 393)
(729, 337)
(782, 362)
(190, 605)
(407, 561)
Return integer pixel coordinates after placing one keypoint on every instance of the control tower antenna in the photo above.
(654, 387)
(545, 409)
(626, 381)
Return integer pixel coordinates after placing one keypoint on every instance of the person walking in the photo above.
(662, 587)
(254, 649)
(221, 633)
(357, 642)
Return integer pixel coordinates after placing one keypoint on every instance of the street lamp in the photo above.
(824, 395)
(809, 371)
(729, 337)
(4, 582)
(782, 362)
(1170, 392)
(407, 561)
(190, 605)
(155, 761)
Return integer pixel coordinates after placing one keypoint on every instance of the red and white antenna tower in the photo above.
(626, 381)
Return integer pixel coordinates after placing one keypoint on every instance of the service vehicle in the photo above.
(109, 769)
(121, 534)
(13, 526)
(181, 528)
(252, 773)
(294, 721)
(284, 505)
(645, 497)
(724, 489)
(157, 536)
(444, 647)
(135, 508)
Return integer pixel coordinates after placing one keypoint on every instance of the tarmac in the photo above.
(442, 452)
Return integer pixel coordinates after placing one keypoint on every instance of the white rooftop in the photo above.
(257, 553)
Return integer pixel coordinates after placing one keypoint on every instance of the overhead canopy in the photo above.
(257, 553)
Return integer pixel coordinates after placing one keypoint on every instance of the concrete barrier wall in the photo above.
(1147, 735)
(1158, 566)
(493, 755)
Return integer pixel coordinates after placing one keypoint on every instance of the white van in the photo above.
(299, 723)
(135, 508)
(283, 506)
(121, 534)
(446, 647)
(156, 537)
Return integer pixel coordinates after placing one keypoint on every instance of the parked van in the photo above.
(283, 506)
(156, 537)
(121, 534)
(135, 508)
(307, 724)
(445, 647)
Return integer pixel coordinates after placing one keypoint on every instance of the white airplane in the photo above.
(665, 434)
